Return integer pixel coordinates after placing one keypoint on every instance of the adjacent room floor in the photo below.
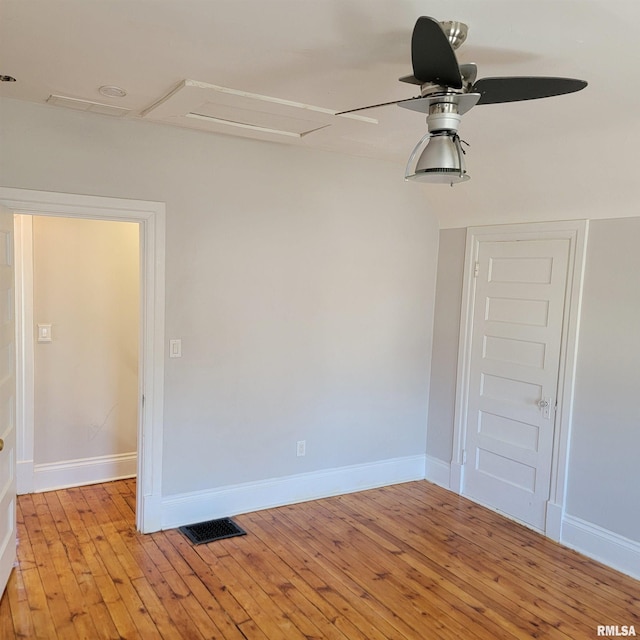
(410, 561)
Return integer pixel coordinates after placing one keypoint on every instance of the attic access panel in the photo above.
(256, 120)
(208, 107)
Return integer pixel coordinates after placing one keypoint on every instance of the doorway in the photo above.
(151, 219)
(518, 346)
(84, 303)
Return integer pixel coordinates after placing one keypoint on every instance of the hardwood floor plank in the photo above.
(336, 570)
(44, 624)
(326, 599)
(464, 606)
(184, 613)
(526, 558)
(209, 604)
(43, 581)
(251, 631)
(170, 618)
(405, 562)
(332, 584)
(128, 615)
(186, 560)
(20, 618)
(54, 525)
(547, 579)
(6, 619)
(275, 622)
(280, 588)
(267, 555)
(205, 622)
(482, 583)
(364, 562)
(353, 617)
(554, 557)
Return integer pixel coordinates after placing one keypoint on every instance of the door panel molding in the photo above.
(576, 231)
(151, 218)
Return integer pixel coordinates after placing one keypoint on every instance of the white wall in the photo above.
(301, 284)
(86, 285)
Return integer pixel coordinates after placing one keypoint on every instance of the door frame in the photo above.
(576, 231)
(151, 219)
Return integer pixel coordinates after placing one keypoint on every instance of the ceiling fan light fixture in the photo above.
(441, 161)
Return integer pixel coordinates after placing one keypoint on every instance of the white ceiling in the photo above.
(339, 54)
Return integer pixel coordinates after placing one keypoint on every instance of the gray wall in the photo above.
(604, 472)
(446, 335)
(300, 282)
(603, 478)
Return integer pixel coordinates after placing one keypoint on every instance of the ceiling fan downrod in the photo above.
(443, 116)
(455, 31)
(444, 119)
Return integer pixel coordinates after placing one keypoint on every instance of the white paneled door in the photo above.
(520, 288)
(7, 402)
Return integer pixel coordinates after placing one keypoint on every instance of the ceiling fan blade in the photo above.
(410, 80)
(432, 56)
(373, 106)
(514, 89)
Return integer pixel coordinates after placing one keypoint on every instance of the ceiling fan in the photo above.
(448, 90)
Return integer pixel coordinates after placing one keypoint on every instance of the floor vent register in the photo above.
(212, 530)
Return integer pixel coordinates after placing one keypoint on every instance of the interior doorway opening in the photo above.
(150, 216)
(78, 329)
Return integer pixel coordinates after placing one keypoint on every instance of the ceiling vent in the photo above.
(87, 105)
(208, 107)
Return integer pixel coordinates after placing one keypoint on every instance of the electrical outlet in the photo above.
(301, 448)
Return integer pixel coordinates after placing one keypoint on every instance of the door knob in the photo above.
(1, 444)
(545, 406)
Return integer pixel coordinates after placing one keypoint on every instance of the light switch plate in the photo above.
(175, 348)
(44, 333)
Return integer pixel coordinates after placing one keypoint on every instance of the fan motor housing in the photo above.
(443, 116)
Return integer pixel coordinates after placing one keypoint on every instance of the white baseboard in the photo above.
(200, 506)
(455, 478)
(553, 521)
(603, 545)
(150, 520)
(74, 473)
(438, 471)
(24, 476)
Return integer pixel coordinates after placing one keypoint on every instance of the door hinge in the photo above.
(476, 269)
(464, 456)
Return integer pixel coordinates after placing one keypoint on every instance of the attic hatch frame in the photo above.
(151, 218)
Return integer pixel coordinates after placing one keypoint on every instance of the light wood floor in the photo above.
(410, 561)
